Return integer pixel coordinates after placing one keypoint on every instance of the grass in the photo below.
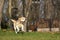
(8, 35)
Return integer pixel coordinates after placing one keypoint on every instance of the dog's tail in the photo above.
(13, 20)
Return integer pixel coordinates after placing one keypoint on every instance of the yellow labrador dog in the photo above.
(18, 24)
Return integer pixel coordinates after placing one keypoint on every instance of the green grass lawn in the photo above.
(29, 36)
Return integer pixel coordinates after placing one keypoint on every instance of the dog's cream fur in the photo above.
(18, 24)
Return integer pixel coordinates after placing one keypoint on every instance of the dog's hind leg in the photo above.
(23, 28)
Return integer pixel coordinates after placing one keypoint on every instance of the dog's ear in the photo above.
(13, 20)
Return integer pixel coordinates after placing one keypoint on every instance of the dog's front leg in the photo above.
(15, 28)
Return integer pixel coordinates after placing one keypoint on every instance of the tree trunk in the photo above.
(26, 11)
(1, 6)
(5, 14)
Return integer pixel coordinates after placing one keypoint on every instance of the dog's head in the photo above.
(22, 19)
